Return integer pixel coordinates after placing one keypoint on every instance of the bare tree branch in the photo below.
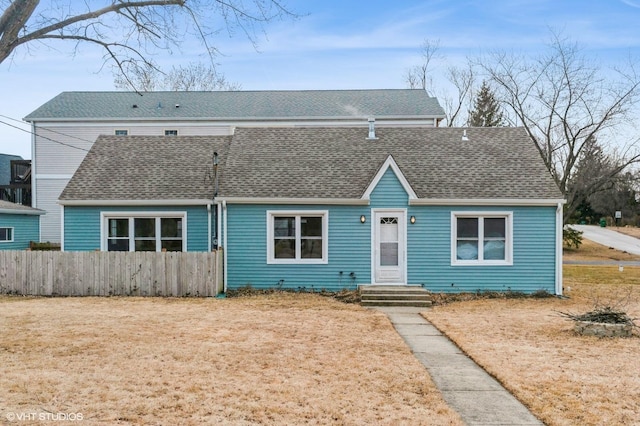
(132, 30)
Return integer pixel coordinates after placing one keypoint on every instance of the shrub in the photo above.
(572, 237)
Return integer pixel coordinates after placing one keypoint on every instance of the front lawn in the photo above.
(279, 359)
(564, 378)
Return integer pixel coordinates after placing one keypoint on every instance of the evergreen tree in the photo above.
(486, 109)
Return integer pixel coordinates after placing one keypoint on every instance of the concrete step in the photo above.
(394, 296)
(408, 303)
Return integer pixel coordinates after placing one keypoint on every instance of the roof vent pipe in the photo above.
(372, 128)
(464, 136)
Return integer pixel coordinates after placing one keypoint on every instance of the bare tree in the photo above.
(566, 103)
(456, 102)
(418, 76)
(456, 105)
(191, 77)
(130, 32)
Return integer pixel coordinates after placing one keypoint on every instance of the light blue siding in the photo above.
(389, 193)
(428, 247)
(429, 252)
(26, 228)
(82, 225)
(349, 250)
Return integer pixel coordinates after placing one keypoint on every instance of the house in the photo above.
(19, 225)
(66, 127)
(15, 179)
(330, 207)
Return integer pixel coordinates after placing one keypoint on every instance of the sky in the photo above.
(346, 44)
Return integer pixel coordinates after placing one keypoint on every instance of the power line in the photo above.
(48, 129)
(43, 137)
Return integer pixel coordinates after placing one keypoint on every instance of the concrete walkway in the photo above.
(610, 238)
(467, 388)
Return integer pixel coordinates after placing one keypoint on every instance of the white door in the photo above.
(389, 246)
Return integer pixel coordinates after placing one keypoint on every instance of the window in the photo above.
(297, 237)
(143, 232)
(121, 132)
(481, 238)
(6, 235)
(171, 133)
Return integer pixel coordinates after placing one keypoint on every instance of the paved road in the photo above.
(609, 238)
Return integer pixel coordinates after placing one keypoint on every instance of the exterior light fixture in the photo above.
(363, 219)
(412, 219)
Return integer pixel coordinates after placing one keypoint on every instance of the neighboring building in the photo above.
(19, 225)
(331, 207)
(66, 127)
(15, 179)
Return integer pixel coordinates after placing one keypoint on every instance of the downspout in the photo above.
(559, 227)
(224, 246)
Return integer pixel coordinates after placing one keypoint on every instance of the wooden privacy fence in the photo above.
(52, 273)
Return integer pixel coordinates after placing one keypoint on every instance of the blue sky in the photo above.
(344, 44)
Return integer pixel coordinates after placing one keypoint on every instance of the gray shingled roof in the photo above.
(147, 168)
(495, 163)
(7, 207)
(240, 105)
(312, 162)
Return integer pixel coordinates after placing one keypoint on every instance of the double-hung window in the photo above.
(6, 235)
(481, 238)
(145, 233)
(297, 237)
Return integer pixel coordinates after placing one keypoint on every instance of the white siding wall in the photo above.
(48, 192)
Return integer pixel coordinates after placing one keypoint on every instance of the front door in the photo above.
(389, 246)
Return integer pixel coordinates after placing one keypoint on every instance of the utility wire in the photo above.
(47, 129)
(43, 137)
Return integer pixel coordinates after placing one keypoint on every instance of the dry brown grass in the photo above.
(593, 251)
(285, 359)
(564, 378)
(628, 230)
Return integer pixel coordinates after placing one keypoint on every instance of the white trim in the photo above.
(300, 201)
(219, 224)
(52, 176)
(34, 174)
(125, 203)
(26, 211)
(402, 228)
(209, 235)
(559, 241)
(324, 214)
(106, 215)
(12, 234)
(390, 163)
(508, 249)
(485, 202)
(61, 228)
(224, 247)
(308, 121)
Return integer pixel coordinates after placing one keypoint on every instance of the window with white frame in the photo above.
(481, 238)
(121, 132)
(140, 232)
(6, 235)
(297, 236)
(171, 133)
